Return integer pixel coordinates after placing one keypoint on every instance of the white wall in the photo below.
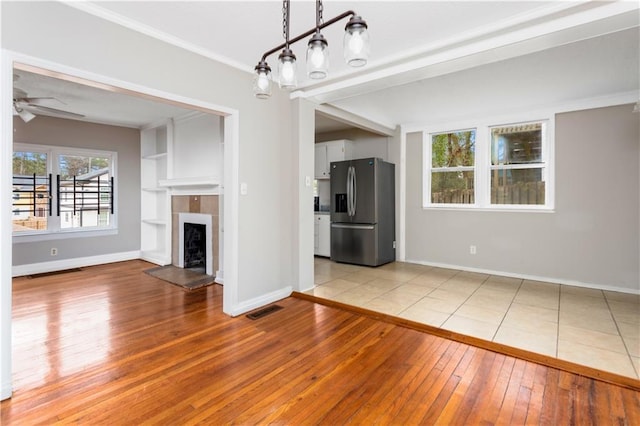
(590, 239)
(63, 35)
(303, 124)
(197, 149)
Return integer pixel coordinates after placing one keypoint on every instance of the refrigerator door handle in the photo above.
(350, 191)
(350, 226)
(354, 192)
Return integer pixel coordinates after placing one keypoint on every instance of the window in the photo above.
(517, 166)
(31, 191)
(452, 167)
(504, 166)
(59, 189)
(84, 190)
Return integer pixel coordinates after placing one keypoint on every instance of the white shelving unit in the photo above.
(155, 239)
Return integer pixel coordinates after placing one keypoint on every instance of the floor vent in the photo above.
(263, 312)
(47, 274)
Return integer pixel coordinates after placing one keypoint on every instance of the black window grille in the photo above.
(32, 195)
(77, 195)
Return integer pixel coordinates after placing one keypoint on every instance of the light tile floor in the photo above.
(599, 329)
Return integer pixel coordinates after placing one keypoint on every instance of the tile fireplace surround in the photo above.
(204, 204)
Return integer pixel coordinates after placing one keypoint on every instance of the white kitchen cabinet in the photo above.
(322, 235)
(321, 165)
(326, 152)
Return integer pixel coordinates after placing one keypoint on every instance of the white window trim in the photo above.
(54, 233)
(482, 168)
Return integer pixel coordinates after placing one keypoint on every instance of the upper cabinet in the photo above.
(327, 152)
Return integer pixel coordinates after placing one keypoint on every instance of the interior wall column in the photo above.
(303, 125)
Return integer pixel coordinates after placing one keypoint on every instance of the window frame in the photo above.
(54, 229)
(483, 167)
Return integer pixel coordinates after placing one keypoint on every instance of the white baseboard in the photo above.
(5, 391)
(60, 265)
(219, 278)
(529, 277)
(260, 301)
(307, 289)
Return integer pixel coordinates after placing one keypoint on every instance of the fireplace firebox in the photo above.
(195, 245)
(195, 241)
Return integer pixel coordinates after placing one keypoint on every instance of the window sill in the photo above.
(63, 235)
(501, 209)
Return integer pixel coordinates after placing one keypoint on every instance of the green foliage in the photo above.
(28, 163)
(71, 165)
(454, 149)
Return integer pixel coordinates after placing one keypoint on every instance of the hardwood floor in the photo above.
(112, 345)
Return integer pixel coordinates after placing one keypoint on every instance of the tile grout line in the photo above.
(633, 365)
(507, 311)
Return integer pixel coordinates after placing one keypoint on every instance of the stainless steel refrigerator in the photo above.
(363, 211)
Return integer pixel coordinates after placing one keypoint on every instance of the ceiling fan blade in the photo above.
(39, 98)
(36, 108)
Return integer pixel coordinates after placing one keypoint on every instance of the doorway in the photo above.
(228, 207)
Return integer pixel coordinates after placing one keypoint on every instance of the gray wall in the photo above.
(64, 35)
(590, 68)
(591, 238)
(72, 133)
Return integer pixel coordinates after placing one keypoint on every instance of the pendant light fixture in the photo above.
(318, 50)
(356, 42)
(356, 51)
(262, 81)
(287, 70)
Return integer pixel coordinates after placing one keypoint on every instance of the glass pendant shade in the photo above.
(262, 81)
(356, 42)
(287, 70)
(317, 57)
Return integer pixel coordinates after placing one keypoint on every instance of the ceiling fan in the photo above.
(28, 108)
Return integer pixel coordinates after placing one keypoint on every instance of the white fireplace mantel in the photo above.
(203, 185)
(190, 182)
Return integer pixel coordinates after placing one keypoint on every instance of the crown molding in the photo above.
(139, 27)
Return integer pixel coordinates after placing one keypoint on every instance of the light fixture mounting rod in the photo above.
(308, 33)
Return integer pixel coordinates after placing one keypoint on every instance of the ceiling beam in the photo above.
(347, 117)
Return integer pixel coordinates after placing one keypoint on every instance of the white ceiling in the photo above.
(411, 41)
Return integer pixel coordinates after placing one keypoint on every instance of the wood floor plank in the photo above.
(387, 402)
(511, 395)
(113, 345)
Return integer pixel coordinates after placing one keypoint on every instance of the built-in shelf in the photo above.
(190, 182)
(155, 222)
(154, 189)
(155, 156)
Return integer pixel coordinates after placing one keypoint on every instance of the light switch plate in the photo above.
(243, 188)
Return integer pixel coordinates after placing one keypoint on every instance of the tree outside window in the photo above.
(452, 167)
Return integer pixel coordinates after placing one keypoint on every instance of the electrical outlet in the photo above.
(472, 249)
(54, 251)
